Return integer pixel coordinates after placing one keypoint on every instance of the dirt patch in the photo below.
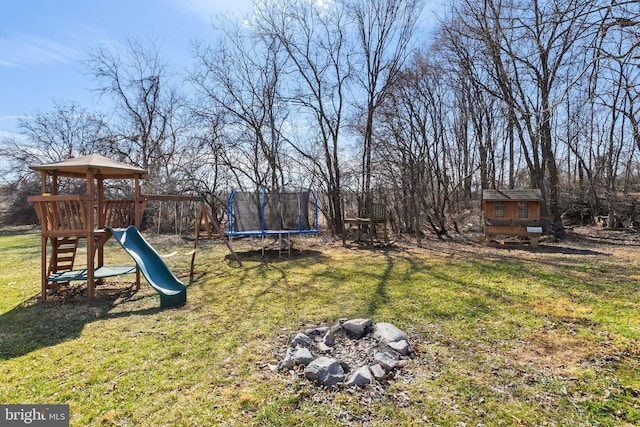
(76, 292)
(557, 352)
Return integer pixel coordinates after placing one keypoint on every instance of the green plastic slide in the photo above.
(172, 291)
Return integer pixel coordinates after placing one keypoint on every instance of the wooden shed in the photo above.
(512, 215)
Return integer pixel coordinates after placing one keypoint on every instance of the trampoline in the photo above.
(278, 214)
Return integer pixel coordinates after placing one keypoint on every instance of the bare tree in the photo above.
(385, 30)
(146, 125)
(420, 145)
(403, 125)
(241, 78)
(530, 45)
(481, 115)
(613, 92)
(66, 131)
(314, 39)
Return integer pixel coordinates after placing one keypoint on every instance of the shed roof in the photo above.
(79, 166)
(527, 194)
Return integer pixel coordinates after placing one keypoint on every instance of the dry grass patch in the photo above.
(558, 353)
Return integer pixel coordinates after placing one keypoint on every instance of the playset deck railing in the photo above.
(121, 213)
(62, 215)
(67, 215)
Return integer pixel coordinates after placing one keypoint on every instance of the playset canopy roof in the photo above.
(79, 166)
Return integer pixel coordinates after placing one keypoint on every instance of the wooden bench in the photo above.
(376, 214)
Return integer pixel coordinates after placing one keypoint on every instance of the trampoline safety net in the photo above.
(259, 213)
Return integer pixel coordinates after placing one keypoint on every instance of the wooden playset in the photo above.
(66, 219)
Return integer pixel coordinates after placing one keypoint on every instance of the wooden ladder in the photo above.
(63, 254)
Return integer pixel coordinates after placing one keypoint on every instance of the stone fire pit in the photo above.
(354, 352)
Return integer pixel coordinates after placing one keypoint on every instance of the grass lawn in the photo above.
(500, 336)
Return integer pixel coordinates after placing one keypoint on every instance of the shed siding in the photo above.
(511, 224)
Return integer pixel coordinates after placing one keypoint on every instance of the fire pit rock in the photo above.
(354, 352)
(325, 370)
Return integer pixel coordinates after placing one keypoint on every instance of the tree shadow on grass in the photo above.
(380, 297)
(567, 250)
(274, 275)
(275, 256)
(33, 325)
(546, 249)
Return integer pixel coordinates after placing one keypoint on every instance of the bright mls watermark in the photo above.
(34, 415)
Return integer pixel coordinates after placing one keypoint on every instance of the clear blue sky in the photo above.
(43, 42)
